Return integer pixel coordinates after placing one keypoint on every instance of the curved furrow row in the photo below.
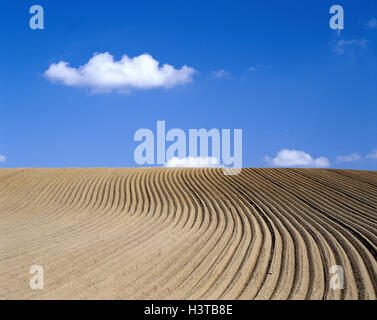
(350, 243)
(355, 190)
(344, 211)
(351, 203)
(283, 282)
(167, 233)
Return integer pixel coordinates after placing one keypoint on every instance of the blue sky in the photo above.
(291, 82)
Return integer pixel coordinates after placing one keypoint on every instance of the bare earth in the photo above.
(160, 233)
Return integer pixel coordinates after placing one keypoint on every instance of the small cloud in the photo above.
(349, 46)
(371, 24)
(2, 158)
(353, 157)
(193, 162)
(103, 74)
(296, 158)
(372, 155)
(221, 74)
(259, 66)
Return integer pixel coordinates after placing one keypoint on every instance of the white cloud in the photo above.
(2, 158)
(342, 46)
(259, 66)
(221, 74)
(193, 162)
(372, 23)
(296, 158)
(357, 157)
(372, 155)
(349, 158)
(103, 74)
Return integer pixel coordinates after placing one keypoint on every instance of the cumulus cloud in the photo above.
(101, 73)
(2, 158)
(372, 155)
(193, 162)
(221, 74)
(296, 158)
(372, 23)
(349, 158)
(350, 46)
